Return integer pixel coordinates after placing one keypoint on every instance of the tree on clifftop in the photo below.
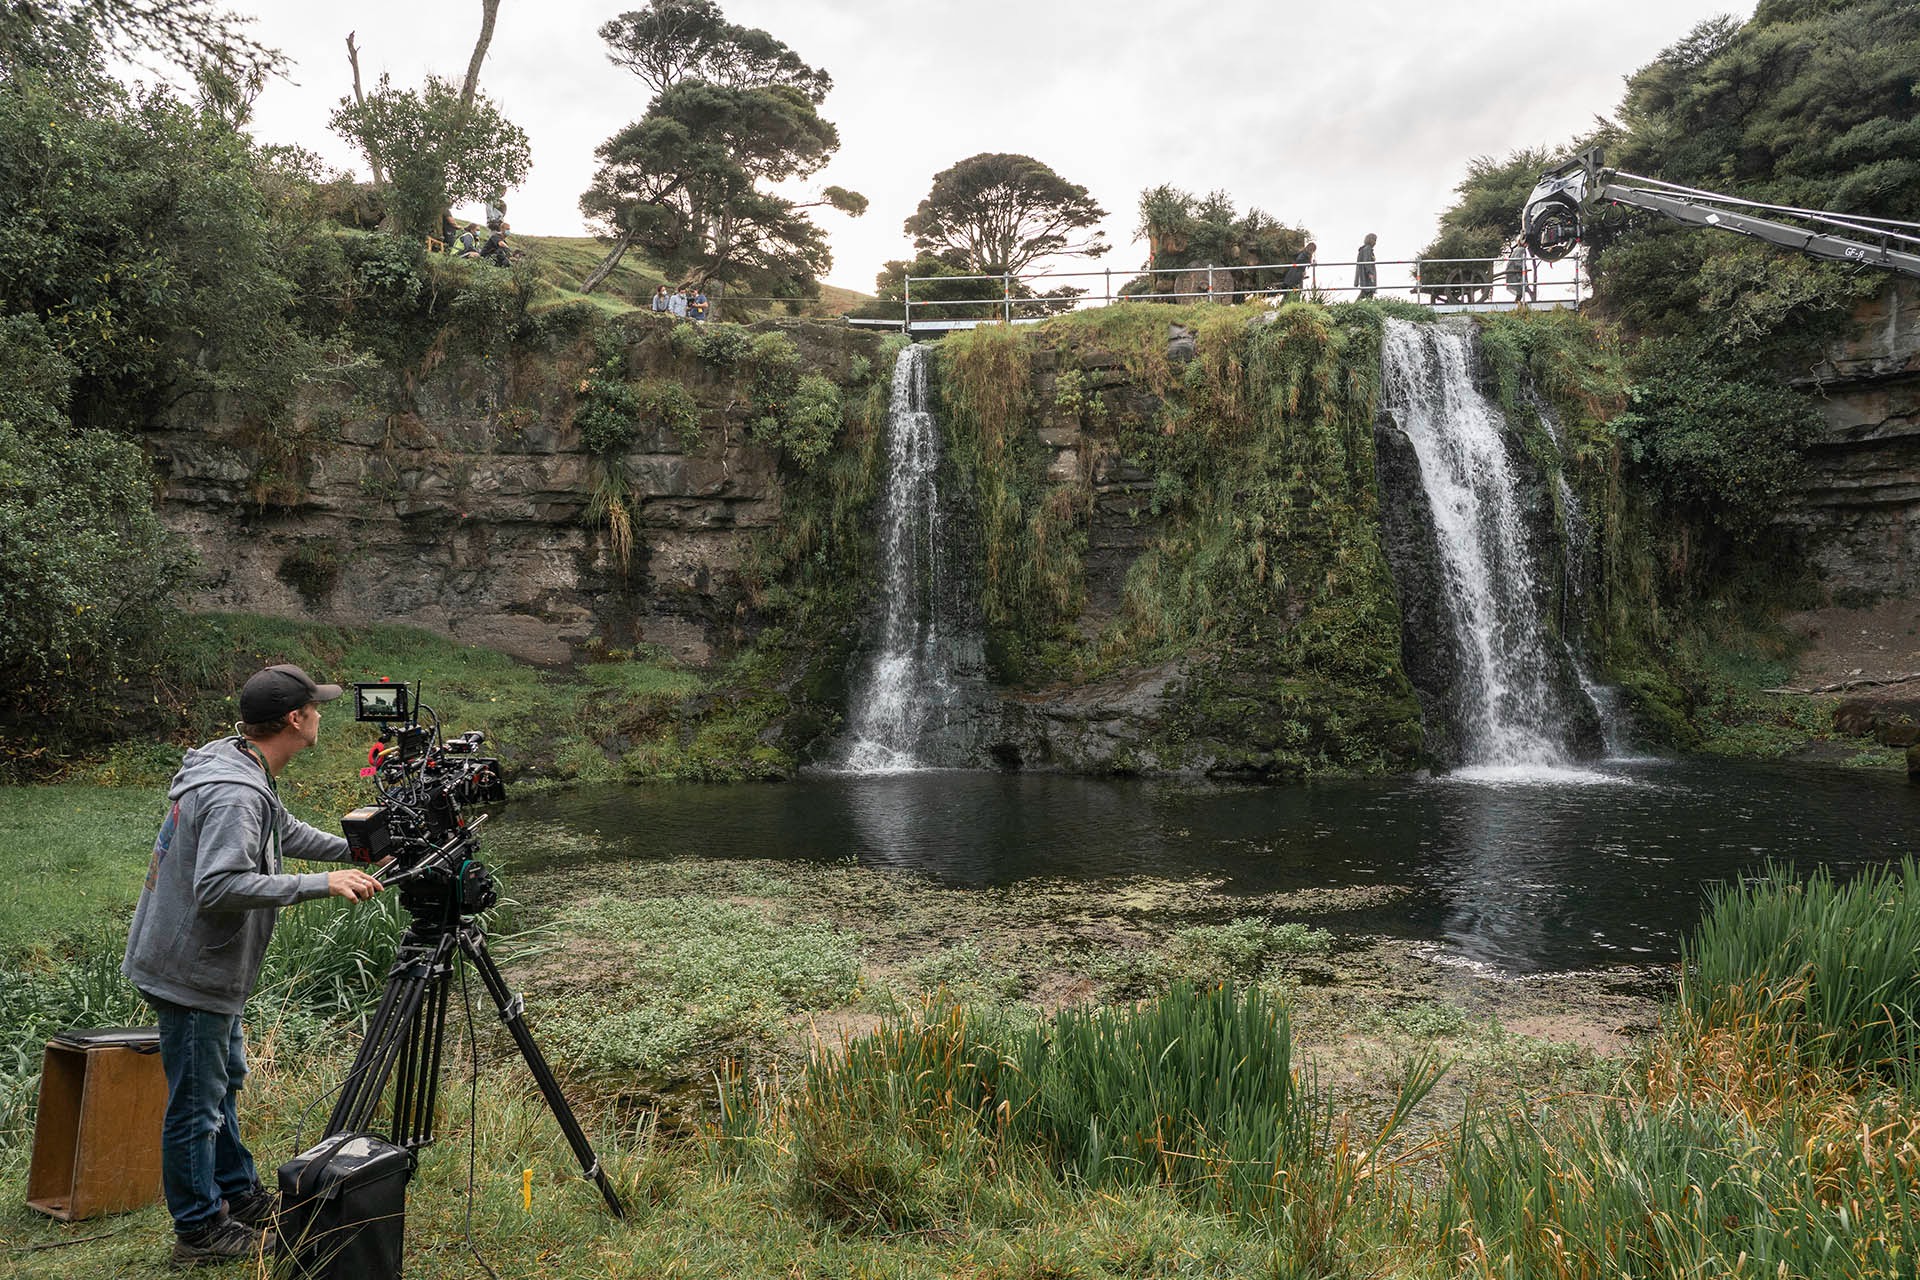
(674, 40)
(1811, 104)
(689, 183)
(69, 35)
(440, 147)
(996, 213)
(1486, 217)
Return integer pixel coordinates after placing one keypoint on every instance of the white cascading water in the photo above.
(1603, 699)
(910, 679)
(1508, 713)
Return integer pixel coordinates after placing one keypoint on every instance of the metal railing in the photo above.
(1444, 283)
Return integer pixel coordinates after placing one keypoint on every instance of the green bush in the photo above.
(87, 598)
(135, 229)
(670, 405)
(806, 423)
(607, 414)
(720, 343)
(774, 362)
(1717, 441)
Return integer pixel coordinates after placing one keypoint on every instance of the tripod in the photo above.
(404, 1039)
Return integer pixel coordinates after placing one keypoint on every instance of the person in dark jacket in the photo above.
(495, 250)
(1296, 274)
(214, 887)
(1366, 276)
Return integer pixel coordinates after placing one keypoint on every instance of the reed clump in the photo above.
(1197, 1091)
(1772, 1130)
(1814, 971)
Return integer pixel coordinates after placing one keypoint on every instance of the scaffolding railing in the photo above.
(1440, 282)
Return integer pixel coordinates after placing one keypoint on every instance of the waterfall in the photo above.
(914, 689)
(1604, 699)
(1511, 686)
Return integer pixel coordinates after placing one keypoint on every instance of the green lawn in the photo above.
(74, 857)
(562, 262)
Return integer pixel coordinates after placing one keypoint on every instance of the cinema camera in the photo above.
(417, 833)
(420, 839)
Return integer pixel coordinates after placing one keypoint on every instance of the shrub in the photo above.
(1716, 441)
(86, 601)
(607, 414)
(671, 406)
(721, 344)
(775, 364)
(806, 424)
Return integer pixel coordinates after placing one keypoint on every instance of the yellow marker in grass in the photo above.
(526, 1190)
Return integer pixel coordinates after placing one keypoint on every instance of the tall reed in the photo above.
(1684, 1188)
(1832, 970)
(1197, 1090)
(1772, 1131)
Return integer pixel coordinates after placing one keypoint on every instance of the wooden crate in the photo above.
(96, 1137)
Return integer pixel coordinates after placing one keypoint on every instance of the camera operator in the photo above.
(213, 890)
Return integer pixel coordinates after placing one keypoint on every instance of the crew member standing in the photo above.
(1517, 272)
(1296, 274)
(214, 888)
(1366, 277)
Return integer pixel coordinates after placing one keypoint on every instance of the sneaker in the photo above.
(222, 1240)
(256, 1208)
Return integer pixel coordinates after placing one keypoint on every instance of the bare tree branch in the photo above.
(489, 10)
(359, 100)
(607, 264)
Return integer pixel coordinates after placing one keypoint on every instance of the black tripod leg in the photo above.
(512, 1012)
(391, 1034)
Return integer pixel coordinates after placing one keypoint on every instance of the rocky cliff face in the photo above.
(1860, 511)
(458, 499)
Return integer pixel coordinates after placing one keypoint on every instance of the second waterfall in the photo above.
(1475, 601)
(911, 705)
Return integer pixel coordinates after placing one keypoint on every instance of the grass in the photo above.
(1774, 1129)
(698, 981)
(1832, 970)
(562, 262)
(74, 854)
(991, 1129)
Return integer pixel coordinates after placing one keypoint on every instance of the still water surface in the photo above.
(1587, 869)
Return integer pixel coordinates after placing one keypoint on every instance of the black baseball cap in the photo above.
(270, 694)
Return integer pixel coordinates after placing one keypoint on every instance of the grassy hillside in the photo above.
(564, 261)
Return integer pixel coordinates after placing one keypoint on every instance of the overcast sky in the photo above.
(1345, 116)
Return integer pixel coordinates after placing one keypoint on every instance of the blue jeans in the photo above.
(202, 1160)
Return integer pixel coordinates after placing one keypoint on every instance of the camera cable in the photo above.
(473, 1116)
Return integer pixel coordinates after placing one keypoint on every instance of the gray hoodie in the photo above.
(214, 886)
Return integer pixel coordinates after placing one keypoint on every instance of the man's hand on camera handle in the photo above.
(354, 886)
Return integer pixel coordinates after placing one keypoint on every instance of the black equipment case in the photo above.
(343, 1208)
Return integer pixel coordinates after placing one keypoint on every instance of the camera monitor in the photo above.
(380, 702)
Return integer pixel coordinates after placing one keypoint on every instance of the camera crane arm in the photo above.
(1551, 225)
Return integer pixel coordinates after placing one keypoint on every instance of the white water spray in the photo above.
(1508, 713)
(910, 686)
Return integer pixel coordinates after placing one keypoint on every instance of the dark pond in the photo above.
(1579, 870)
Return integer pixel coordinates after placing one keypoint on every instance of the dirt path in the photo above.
(1877, 642)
